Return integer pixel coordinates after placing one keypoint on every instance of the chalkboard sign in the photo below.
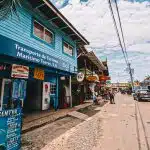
(10, 129)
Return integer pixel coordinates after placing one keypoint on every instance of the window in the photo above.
(68, 49)
(42, 32)
(53, 88)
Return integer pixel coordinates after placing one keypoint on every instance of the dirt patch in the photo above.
(38, 138)
(90, 110)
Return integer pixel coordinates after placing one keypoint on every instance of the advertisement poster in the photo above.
(10, 129)
(46, 95)
(19, 89)
(19, 71)
(39, 74)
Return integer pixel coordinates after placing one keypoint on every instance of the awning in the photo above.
(96, 61)
(53, 15)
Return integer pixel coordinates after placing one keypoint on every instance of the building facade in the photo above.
(38, 52)
(86, 83)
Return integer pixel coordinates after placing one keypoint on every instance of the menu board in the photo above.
(10, 129)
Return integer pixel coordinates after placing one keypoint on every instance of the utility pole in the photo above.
(130, 72)
(118, 82)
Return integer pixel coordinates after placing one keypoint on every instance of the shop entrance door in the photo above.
(5, 93)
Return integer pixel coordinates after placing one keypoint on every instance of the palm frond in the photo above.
(8, 8)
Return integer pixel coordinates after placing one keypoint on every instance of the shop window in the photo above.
(53, 88)
(43, 33)
(68, 49)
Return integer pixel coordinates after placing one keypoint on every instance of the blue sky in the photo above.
(93, 20)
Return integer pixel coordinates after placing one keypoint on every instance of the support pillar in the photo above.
(70, 91)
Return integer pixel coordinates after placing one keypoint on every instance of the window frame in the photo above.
(45, 28)
(69, 45)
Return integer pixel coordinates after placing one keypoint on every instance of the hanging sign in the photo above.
(19, 71)
(80, 76)
(104, 78)
(39, 74)
(10, 129)
(93, 78)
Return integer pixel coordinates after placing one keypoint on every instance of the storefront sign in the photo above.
(104, 78)
(39, 74)
(80, 76)
(19, 71)
(92, 78)
(15, 49)
(10, 129)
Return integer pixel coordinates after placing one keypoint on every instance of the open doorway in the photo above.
(33, 100)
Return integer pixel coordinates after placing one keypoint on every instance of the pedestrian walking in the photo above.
(94, 98)
(111, 96)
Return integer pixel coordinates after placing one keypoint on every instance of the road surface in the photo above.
(121, 126)
(126, 125)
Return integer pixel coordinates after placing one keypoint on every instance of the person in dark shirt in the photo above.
(111, 96)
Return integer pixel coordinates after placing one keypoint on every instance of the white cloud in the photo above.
(94, 21)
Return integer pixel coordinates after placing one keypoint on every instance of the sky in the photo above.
(94, 21)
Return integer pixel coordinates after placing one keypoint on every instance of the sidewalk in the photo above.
(33, 121)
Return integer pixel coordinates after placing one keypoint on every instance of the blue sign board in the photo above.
(10, 129)
(15, 49)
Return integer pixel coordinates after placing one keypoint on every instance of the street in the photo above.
(125, 125)
(120, 126)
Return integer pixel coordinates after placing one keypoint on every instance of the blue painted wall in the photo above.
(20, 29)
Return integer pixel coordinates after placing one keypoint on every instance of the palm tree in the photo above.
(8, 7)
(147, 77)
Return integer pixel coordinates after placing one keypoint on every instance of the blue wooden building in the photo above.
(38, 50)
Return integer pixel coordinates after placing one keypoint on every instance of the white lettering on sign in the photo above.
(8, 113)
(27, 57)
(37, 57)
(30, 52)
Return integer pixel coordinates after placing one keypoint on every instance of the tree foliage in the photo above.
(8, 8)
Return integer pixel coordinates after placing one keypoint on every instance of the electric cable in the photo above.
(122, 34)
(117, 31)
(118, 35)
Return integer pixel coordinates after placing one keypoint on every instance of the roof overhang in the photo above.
(55, 16)
(95, 60)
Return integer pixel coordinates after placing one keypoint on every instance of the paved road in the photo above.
(125, 126)
(121, 126)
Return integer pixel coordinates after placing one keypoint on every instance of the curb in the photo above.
(76, 108)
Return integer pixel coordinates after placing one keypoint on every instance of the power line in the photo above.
(129, 64)
(120, 23)
(124, 52)
(117, 31)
